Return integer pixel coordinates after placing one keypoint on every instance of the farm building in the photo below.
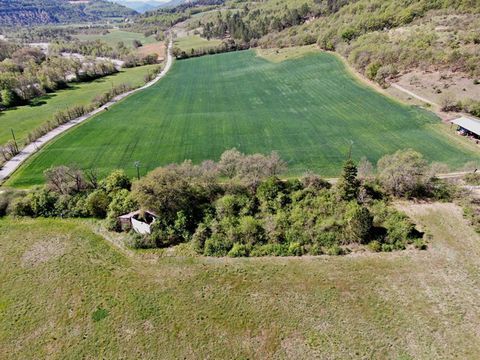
(468, 127)
(139, 221)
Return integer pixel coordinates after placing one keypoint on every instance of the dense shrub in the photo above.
(251, 212)
(97, 204)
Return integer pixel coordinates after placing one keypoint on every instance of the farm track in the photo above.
(10, 166)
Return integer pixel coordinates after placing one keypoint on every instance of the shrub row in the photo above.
(239, 207)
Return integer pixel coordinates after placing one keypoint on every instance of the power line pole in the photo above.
(137, 165)
(14, 140)
(350, 150)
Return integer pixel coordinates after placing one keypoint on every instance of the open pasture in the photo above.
(113, 37)
(308, 109)
(188, 43)
(67, 294)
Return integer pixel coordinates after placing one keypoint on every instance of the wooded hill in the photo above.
(380, 38)
(36, 12)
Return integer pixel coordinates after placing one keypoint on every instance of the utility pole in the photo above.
(14, 140)
(350, 150)
(137, 165)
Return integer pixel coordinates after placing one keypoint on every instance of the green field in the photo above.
(26, 118)
(308, 109)
(65, 293)
(115, 36)
(188, 43)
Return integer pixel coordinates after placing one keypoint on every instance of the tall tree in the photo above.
(349, 185)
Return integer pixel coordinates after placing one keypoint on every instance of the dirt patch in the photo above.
(434, 85)
(155, 48)
(43, 251)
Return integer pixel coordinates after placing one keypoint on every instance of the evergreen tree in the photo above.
(349, 185)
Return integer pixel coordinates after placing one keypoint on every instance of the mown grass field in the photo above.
(24, 119)
(66, 293)
(188, 43)
(308, 109)
(115, 36)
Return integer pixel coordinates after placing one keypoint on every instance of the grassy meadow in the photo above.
(66, 293)
(309, 109)
(115, 36)
(24, 119)
(188, 43)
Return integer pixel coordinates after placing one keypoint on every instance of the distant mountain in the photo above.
(140, 6)
(38, 12)
(173, 3)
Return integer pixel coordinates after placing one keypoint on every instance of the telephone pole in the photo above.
(137, 165)
(350, 150)
(14, 140)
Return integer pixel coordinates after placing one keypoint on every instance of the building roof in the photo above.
(133, 213)
(469, 124)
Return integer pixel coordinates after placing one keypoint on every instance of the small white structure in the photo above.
(139, 221)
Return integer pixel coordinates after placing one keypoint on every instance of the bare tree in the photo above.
(230, 162)
(365, 169)
(65, 180)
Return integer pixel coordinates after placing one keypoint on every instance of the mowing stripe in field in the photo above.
(308, 109)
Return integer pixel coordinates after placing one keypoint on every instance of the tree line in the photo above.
(26, 73)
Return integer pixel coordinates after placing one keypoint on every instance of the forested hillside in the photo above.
(379, 37)
(35, 12)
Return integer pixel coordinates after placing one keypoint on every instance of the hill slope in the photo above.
(36, 12)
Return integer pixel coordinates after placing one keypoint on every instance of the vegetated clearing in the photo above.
(88, 299)
(308, 109)
(24, 119)
(188, 43)
(288, 53)
(115, 36)
(154, 48)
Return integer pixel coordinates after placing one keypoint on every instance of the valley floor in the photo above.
(68, 293)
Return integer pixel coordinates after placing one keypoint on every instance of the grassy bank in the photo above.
(67, 293)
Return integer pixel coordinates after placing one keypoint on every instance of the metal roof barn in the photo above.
(469, 124)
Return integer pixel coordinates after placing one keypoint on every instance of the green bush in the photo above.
(315, 249)
(200, 237)
(375, 246)
(420, 244)
(138, 241)
(216, 246)
(116, 181)
(7, 198)
(359, 223)
(238, 250)
(22, 207)
(399, 228)
(97, 204)
(269, 250)
(335, 250)
(372, 70)
(295, 249)
(42, 202)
